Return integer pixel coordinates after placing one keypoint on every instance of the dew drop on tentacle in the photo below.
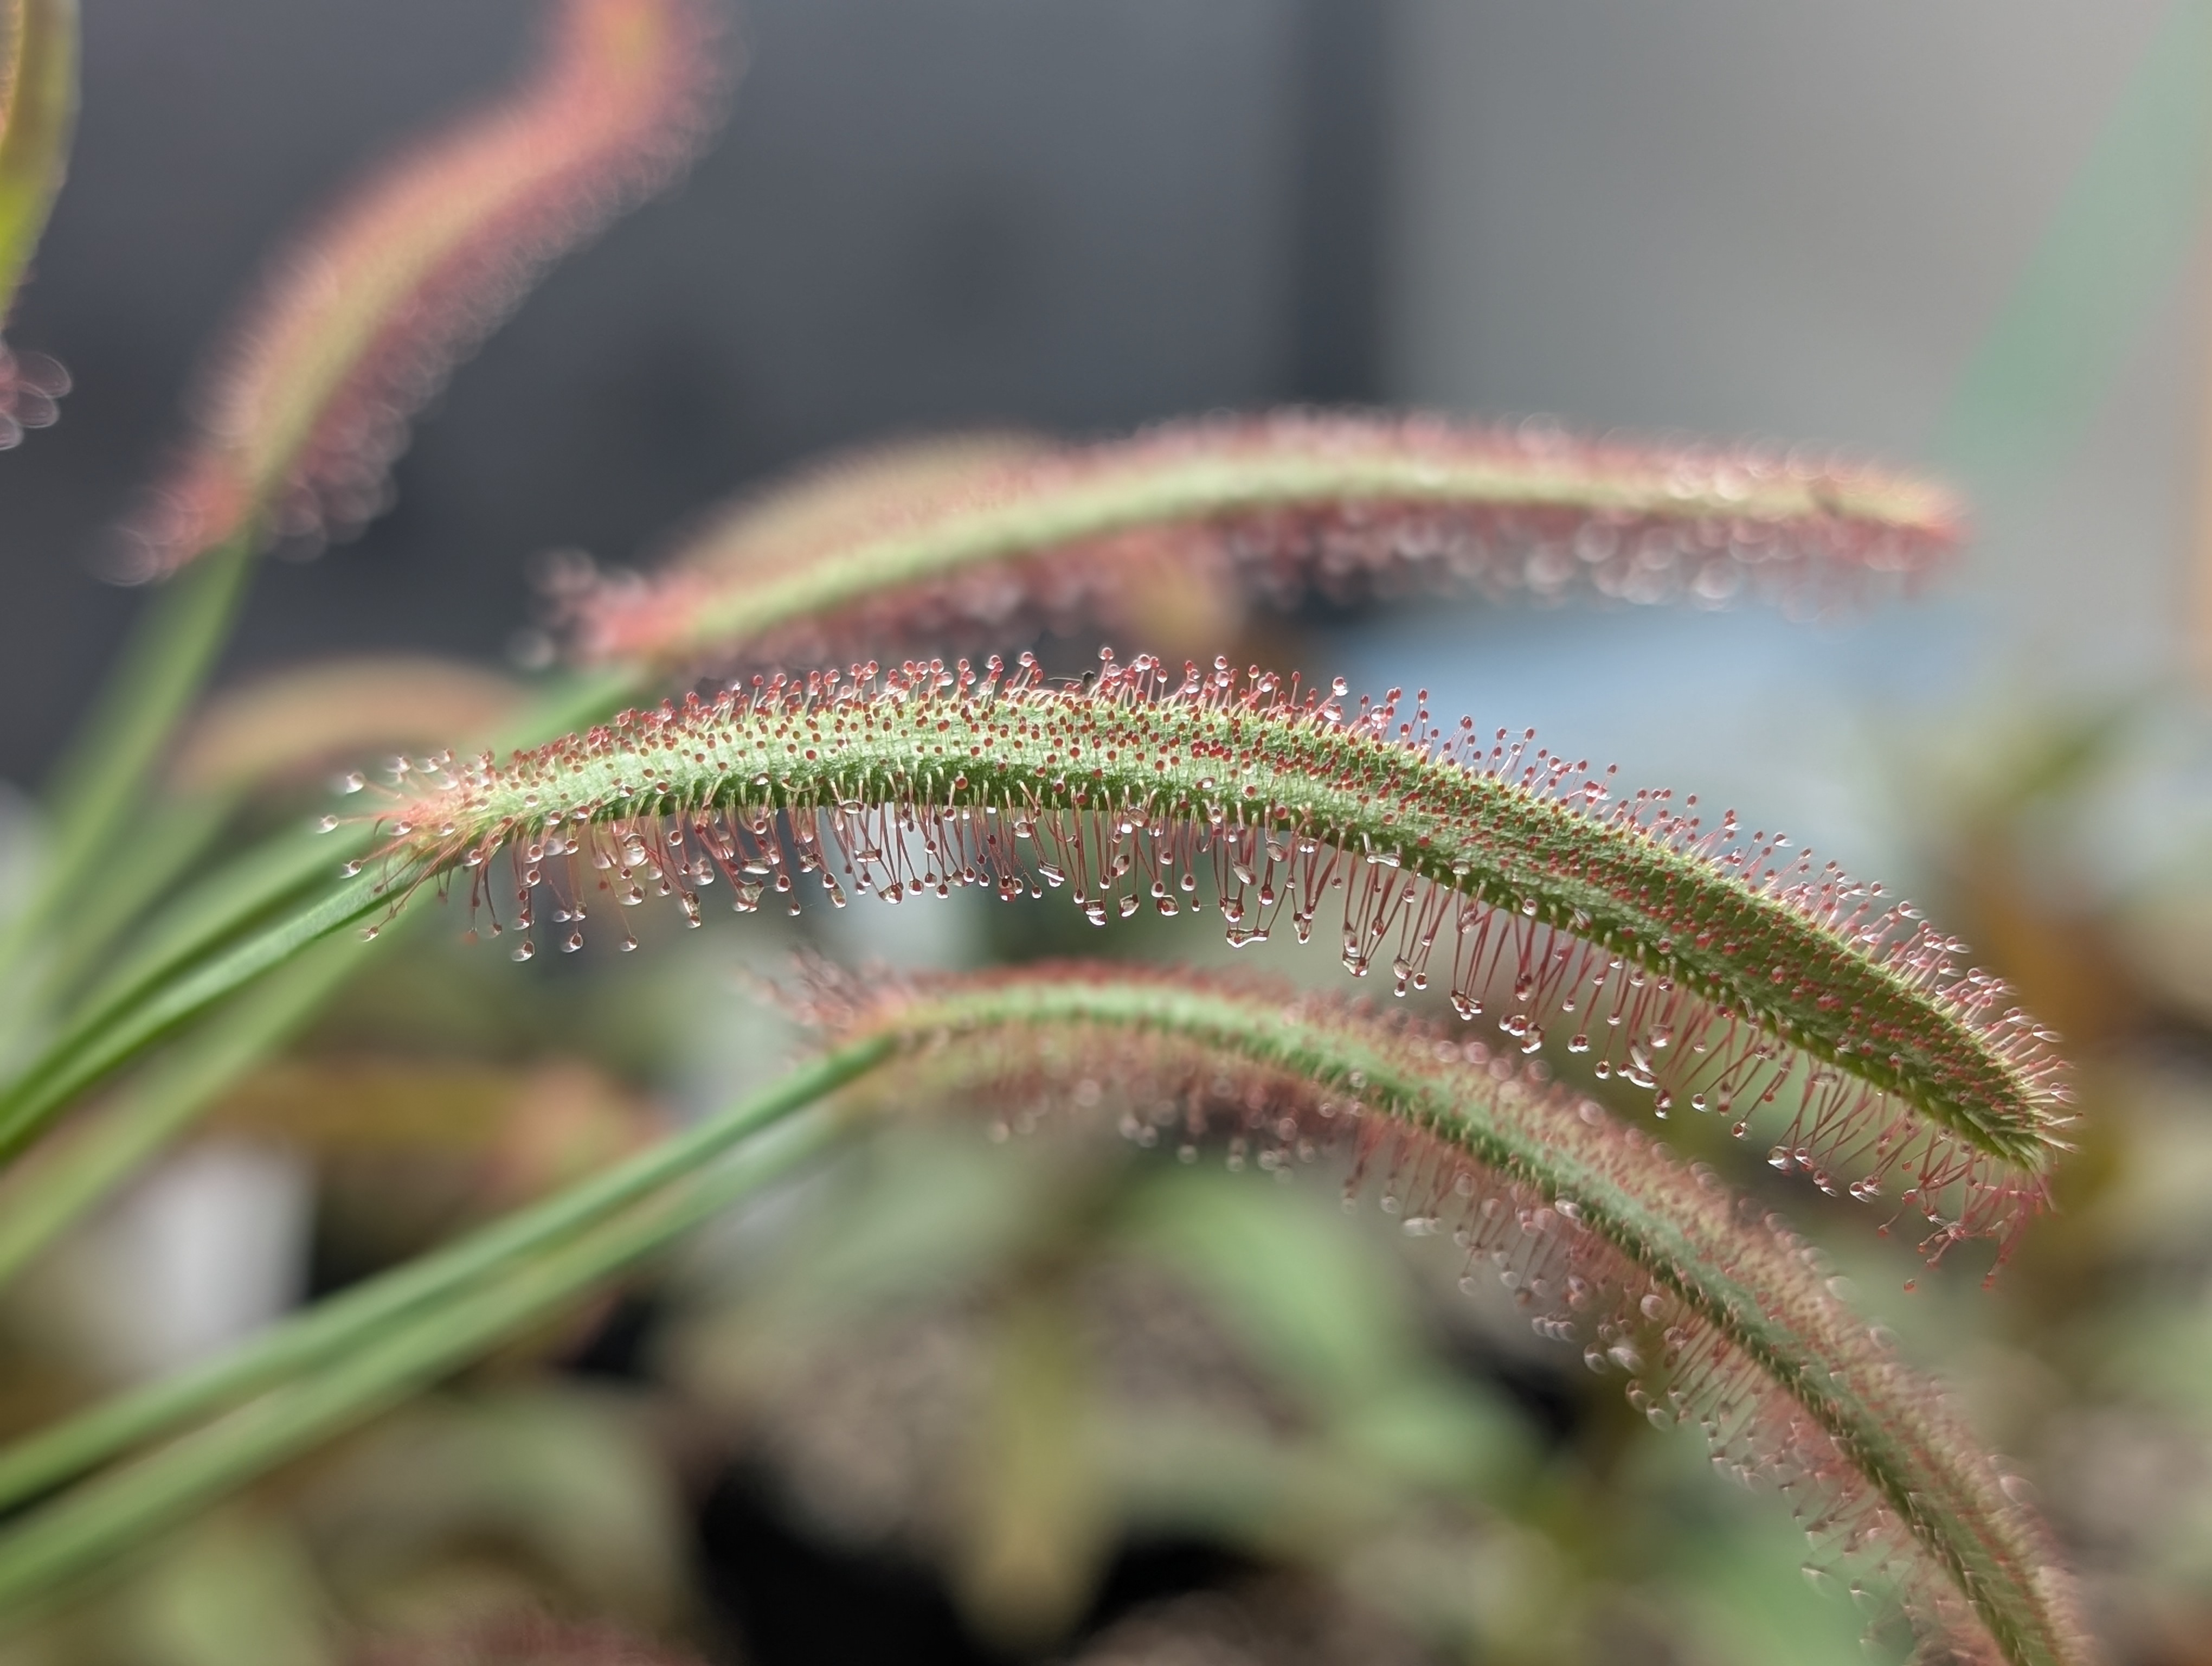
(1058, 819)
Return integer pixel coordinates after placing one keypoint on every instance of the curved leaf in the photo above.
(1718, 1315)
(310, 402)
(1717, 972)
(905, 547)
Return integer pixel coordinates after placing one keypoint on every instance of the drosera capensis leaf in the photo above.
(1718, 1315)
(935, 541)
(38, 115)
(1716, 973)
(356, 327)
(1720, 973)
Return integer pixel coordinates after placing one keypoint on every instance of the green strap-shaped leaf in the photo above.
(81, 1535)
(334, 1328)
(1714, 1313)
(38, 85)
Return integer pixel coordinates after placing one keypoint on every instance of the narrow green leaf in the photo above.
(38, 84)
(161, 1103)
(83, 1533)
(351, 1321)
(189, 827)
(217, 940)
(109, 766)
(223, 905)
(83, 1057)
(1716, 1313)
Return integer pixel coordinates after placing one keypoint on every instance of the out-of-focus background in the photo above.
(1798, 222)
(1965, 236)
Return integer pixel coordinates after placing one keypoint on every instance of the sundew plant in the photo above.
(829, 699)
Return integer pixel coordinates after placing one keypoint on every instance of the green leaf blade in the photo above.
(40, 89)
